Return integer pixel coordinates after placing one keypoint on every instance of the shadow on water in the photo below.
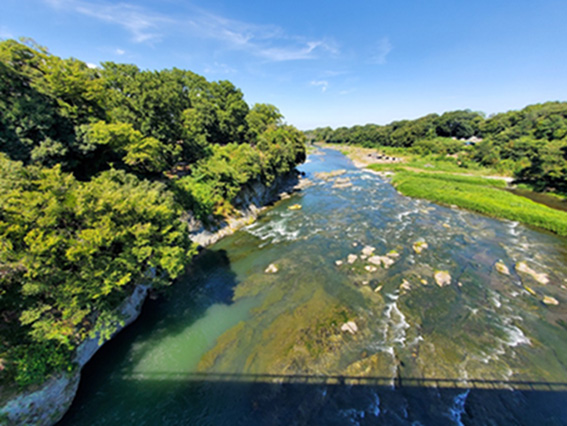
(243, 399)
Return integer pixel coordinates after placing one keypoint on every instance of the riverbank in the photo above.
(477, 190)
(46, 404)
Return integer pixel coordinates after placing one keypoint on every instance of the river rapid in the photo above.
(383, 309)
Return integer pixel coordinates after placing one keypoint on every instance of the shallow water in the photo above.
(231, 344)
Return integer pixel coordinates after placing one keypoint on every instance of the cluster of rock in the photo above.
(523, 269)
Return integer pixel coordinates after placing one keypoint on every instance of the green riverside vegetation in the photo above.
(97, 168)
(481, 195)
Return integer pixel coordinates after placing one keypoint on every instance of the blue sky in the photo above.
(325, 62)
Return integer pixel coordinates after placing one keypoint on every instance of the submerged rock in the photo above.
(338, 262)
(548, 300)
(377, 289)
(525, 269)
(295, 207)
(371, 268)
(405, 285)
(502, 268)
(271, 269)
(442, 278)
(350, 326)
(419, 246)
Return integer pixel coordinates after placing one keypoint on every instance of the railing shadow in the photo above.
(314, 379)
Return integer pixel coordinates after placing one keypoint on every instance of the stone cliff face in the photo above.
(249, 203)
(47, 404)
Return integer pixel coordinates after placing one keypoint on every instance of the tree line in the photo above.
(97, 166)
(530, 144)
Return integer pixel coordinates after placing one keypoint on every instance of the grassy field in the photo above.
(481, 195)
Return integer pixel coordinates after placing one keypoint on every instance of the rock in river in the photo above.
(381, 260)
(539, 277)
(350, 326)
(442, 278)
(271, 269)
(548, 300)
(368, 250)
(352, 258)
(419, 246)
(502, 268)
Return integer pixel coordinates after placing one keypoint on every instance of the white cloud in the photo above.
(119, 51)
(321, 83)
(92, 66)
(347, 92)
(382, 49)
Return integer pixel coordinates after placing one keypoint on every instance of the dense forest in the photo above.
(97, 166)
(530, 144)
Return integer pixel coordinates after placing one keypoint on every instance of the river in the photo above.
(230, 344)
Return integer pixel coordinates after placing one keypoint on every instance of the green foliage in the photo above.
(261, 117)
(77, 248)
(444, 146)
(96, 166)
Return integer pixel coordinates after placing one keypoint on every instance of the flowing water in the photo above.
(232, 344)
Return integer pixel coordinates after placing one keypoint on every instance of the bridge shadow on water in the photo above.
(268, 399)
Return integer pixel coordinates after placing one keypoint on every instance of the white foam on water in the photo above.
(274, 231)
(515, 336)
(458, 408)
(402, 215)
(495, 300)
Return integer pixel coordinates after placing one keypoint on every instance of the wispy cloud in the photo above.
(381, 50)
(138, 21)
(323, 84)
(266, 41)
(306, 50)
(119, 51)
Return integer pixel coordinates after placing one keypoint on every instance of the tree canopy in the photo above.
(96, 167)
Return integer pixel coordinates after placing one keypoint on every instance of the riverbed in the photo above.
(352, 324)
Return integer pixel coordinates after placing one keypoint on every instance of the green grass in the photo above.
(480, 195)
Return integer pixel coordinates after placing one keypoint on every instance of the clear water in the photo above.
(231, 344)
